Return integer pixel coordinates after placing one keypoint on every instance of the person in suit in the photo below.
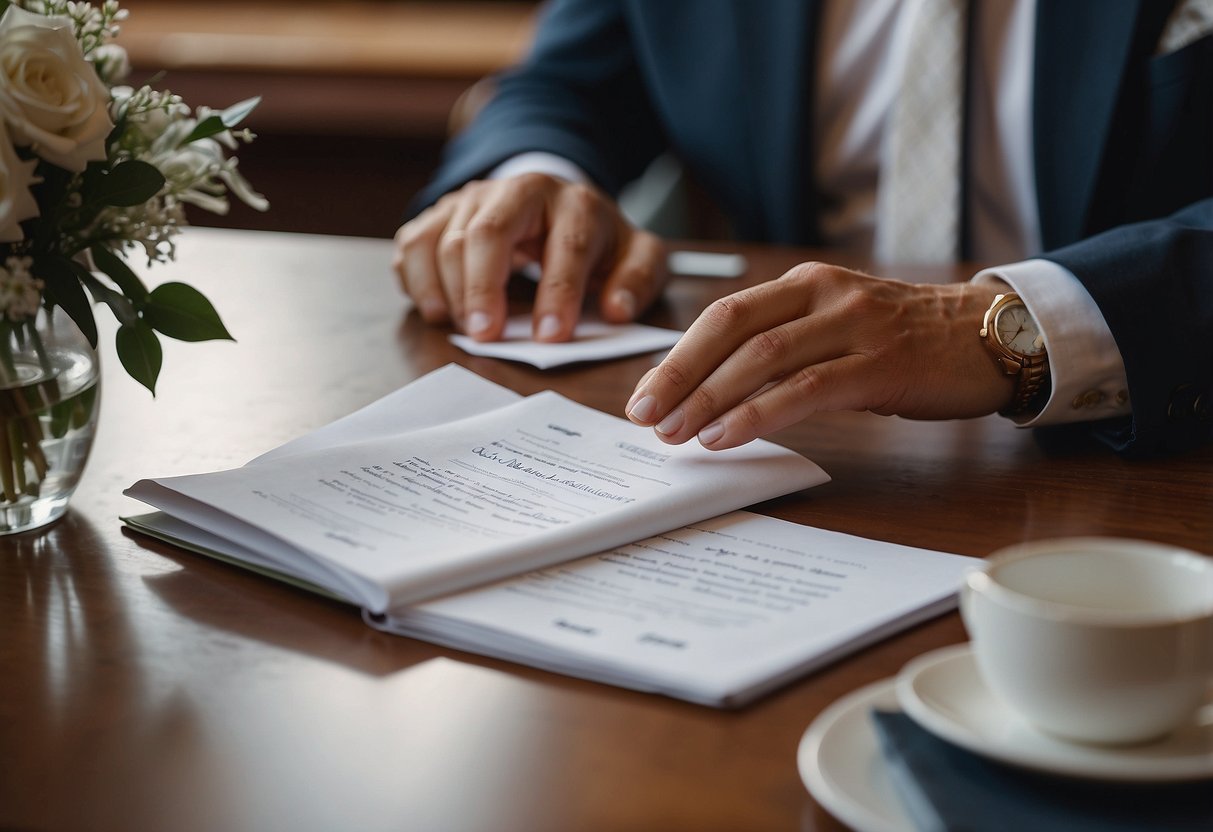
(1086, 169)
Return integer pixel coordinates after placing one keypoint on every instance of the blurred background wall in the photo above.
(356, 94)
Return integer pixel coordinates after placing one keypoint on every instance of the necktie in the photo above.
(918, 201)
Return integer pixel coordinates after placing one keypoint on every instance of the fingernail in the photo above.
(625, 301)
(478, 323)
(671, 423)
(549, 328)
(711, 433)
(643, 410)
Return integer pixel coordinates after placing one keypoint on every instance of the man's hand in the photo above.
(455, 257)
(823, 338)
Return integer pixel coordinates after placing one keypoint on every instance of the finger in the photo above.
(512, 211)
(415, 264)
(449, 254)
(575, 244)
(763, 359)
(638, 391)
(838, 384)
(718, 333)
(636, 280)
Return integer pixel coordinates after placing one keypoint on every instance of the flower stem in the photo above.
(35, 338)
(17, 444)
(32, 429)
(8, 368)
(7, 484)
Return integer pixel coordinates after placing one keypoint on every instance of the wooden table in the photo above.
(148, 689)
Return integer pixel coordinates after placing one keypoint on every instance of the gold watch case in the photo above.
(1014, 339)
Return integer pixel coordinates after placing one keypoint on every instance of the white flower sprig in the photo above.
(159, 129)
(94, 26)
(20, 291)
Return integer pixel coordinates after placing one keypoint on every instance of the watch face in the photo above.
(1017, 330)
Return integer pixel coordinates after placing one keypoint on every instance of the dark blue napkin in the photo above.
(944, 787)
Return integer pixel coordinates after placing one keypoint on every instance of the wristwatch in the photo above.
(1013, 336)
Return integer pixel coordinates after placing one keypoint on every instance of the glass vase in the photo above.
(48, 414)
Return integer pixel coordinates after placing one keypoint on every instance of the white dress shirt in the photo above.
(861, 46)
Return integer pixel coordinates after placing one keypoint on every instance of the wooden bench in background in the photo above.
(356, 95)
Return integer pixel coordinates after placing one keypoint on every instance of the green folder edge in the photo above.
(145, 524)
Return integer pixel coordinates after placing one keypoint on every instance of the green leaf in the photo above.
(63, 288)
(131, 183)
(120, 273)
(239, 111)
(206, 128)
(233, 115)
(122, 308)
(53, 181)
(140, 353)
(182, 312)
(115, 134)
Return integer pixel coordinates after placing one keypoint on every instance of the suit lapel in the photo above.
(1081, 51)
(776, 45)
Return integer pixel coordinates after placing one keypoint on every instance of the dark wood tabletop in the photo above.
(144, 688)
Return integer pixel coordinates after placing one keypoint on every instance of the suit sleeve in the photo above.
(1153, 281)
(579, 95)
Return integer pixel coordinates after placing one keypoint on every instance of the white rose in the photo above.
(50, 95)
(16, 201)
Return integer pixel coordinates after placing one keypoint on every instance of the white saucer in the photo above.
(841, 764)
(944, 693)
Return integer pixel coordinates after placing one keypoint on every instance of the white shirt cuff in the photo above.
(1086, 371)
(538, 161)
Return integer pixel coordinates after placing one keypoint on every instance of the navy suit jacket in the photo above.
(1123, 148)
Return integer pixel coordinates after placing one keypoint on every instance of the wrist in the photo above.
(978, 386)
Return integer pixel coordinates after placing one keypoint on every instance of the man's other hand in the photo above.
(455, 257)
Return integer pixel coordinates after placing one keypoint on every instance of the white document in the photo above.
(546, 533)
(592, 341)
(479, 493)
(434, 399)
(718, 612)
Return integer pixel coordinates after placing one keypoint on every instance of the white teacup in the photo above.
(1097, 640)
